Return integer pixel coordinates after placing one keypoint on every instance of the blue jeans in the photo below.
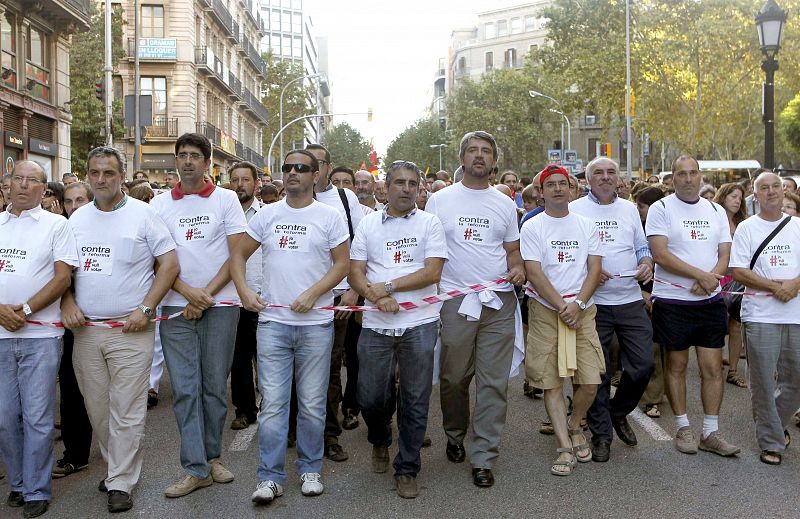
(28, 370)
(303, 352)
(199, 354)
(378, 355)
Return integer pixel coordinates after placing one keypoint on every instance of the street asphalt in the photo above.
(651, 480)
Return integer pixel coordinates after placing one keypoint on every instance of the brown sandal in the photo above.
(735, 379)
(580, 447)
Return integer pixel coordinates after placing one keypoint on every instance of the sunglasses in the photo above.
(49, 193)
(300, 168)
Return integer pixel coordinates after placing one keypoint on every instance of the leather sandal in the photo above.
(563, 463)
(582, 447)
(735, 379)
(652, 411)
(766, 455)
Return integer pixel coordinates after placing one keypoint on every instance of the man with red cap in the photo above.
(563, 262)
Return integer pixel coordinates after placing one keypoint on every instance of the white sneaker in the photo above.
(266, 491)
(312, 486)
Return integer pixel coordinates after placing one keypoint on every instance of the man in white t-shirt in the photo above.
(365, 190)
(771, 318)
(398, 252)
(563, 261)
(305, 254)
(619, 303)
(691, 242)
(205, 222)
(37, 255)
(127, 265)
(243, 177)
(347, 329)
(480, 226)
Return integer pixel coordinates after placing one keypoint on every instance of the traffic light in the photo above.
(99, 90)
(369, 114)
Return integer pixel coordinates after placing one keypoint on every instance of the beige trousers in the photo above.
(113, 372)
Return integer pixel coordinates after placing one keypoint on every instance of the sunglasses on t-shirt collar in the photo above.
(300, 168)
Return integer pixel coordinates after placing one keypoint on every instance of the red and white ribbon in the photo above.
(730, 292)
(405, 306)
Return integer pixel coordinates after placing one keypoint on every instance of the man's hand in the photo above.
(644, 273)
(305, 302)
(706, 283)
(516, 275)
(571, 314)
(786, 291)
(388, 304)
(71, 315)
(199, 297)
(136, 322)
(192, 312)
(375, 292)
(11, 317)
(648, 301)
(349, 298)
(252, 301)
(605, 276)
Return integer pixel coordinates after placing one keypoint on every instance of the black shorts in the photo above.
(678, 327)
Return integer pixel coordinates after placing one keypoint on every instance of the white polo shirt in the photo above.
(30, 244)
(476, 223)
(200, 225)
(296, 245)
(116, 251)
(395, 247)
(620, 235)
(562, 246)
(780, 260)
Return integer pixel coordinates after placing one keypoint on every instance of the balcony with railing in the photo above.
(253, 104)
(210, 131)
(254, 15)
(235, 84)
(255, 58)
(163, 127)
(222, 16)
(213, 67)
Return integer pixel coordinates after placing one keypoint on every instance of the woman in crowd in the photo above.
(53, 199)
(142, 191)
(791, 204)
(708, 191)
(731, 197)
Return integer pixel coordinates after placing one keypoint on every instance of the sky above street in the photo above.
(385, 54)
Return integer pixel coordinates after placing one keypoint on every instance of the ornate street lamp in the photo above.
(770, 21)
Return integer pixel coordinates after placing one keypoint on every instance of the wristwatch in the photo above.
(146, 310)
(388, 287)
(580, 304)
(26, 309)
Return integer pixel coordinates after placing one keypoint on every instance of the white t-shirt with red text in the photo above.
(780, 260)
(116, 251)
(200, 227)
(562, 246)
(296, 248)
(694, 233)
(30, 244)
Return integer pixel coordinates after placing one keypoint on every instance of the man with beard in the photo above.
(365, 191)
(478, 330)
(243, 395)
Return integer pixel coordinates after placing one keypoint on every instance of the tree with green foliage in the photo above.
(414, 144)
(86, 61)
(790, 123)
(347, 146)
(279, 74)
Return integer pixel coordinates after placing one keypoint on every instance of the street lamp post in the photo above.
(769, 21)
(323, 87)
(440, 146)
(534, 93)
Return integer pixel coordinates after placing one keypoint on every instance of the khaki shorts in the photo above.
(541, 357)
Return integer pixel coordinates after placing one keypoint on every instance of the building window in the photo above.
(156, 87)
(275, 21)
(8, 50)
(297, 46)
(298, 23)
(502, 28)
(286, 49)
(462, 65)
(510, 58)
(286, 22)
(516, 25)
(489, 31)
(530, 23)
(534, 48)
(152, 21)
(593, 148)
(37, 70)
(489, 61)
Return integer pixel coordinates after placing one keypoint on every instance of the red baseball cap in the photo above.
(552, 169)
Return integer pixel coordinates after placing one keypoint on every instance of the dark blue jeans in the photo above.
(378, 356)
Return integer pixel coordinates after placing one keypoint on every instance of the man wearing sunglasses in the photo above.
(305, 252)
(37, 255)
(346, 328)
(198, 346)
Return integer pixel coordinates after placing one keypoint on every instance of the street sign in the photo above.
(145, 111)
(570, 156)
(158, 48)
(553, 156)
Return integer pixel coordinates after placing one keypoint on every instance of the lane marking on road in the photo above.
(241, 442)
(646, 423)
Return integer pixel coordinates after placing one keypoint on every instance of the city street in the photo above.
(651, 480)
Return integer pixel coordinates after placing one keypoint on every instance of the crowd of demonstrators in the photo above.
(607, 264)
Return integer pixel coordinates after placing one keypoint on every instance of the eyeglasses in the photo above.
(194, 156)
(31, 180)
(300, 168)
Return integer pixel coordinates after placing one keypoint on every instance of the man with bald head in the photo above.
(37, 255)
(764, 258)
